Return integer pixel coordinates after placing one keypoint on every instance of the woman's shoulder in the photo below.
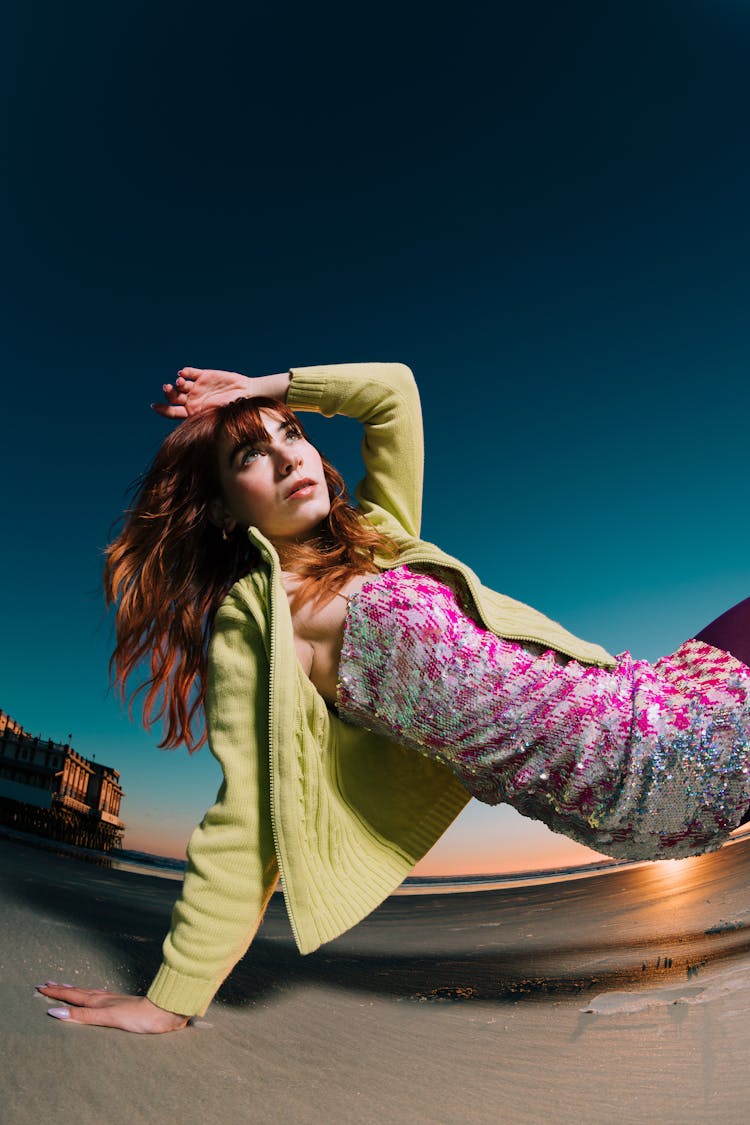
(245, 604)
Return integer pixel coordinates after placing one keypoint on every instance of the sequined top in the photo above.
(639, 761)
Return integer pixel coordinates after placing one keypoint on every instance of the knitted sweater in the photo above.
(342, 814)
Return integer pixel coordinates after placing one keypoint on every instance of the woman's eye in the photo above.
(293, 435)
(249, 455)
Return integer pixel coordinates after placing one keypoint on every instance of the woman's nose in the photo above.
(289, 460)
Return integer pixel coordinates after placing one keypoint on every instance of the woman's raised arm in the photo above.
(382, 396)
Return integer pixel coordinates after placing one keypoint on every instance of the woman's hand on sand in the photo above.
(101, 1008)
(197, 388)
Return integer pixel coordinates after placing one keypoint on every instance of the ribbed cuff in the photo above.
(307, 387)
(175, 992)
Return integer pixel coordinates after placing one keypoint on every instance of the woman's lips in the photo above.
(302, 488)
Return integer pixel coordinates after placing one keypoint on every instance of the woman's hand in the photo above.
(111, 1009)
(197, 388)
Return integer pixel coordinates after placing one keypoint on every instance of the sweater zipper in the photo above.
(271, 678)
(424, 557)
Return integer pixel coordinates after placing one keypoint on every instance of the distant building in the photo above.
(50, 790)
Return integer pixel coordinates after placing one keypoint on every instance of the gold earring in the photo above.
(224, 535)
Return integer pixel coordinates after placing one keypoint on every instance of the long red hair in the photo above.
(169, 568)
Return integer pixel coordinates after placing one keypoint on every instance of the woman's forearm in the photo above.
(232, 870)
(271, 386)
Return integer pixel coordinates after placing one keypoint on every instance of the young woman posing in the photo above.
(359, 685)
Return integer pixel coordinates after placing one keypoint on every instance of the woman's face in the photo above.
(276, 485)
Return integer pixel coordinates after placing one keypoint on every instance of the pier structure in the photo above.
(49, 789)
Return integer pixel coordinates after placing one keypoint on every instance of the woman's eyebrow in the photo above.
(251, 443)
(238, 447)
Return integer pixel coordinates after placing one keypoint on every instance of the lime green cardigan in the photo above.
(341, 814)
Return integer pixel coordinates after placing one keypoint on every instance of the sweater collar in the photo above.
(265, 546)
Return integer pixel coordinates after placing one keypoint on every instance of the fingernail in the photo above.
(59, 1013)
(67, 986)
(52, 982)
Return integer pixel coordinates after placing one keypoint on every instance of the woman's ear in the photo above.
(220, 517)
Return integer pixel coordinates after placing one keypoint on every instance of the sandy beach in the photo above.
(624, 997)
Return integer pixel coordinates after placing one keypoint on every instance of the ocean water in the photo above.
(165, 867)
(168, 868)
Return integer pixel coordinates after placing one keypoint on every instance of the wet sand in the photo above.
(624, 998)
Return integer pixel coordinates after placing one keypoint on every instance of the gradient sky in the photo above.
(542, 208)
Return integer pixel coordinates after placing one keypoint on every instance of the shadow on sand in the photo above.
(474, 946)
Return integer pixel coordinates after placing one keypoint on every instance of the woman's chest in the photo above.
(319, 632)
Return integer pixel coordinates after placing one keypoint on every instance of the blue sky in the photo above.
(541, 208)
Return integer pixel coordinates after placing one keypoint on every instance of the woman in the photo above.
(362, 684)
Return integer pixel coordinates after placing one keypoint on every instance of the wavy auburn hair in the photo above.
(169, 568)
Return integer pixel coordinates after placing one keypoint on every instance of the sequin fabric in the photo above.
(641, 761)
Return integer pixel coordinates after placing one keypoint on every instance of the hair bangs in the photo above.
(242, 420)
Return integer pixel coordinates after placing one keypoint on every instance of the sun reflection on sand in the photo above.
(678, 874)
(673, 871)
(659, 881)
